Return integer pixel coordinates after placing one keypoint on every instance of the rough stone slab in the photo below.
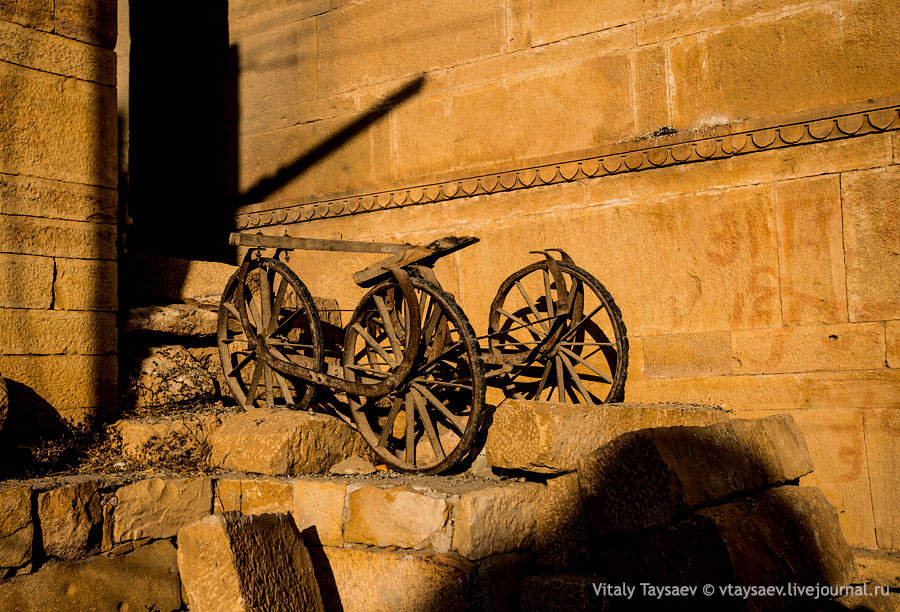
(555, 592)
(25, 281)
(82, 284)
(283, 442)
(230, 562)
(157, 508)
(318, 509)
(186, 431)
(495, 519)
(353, 465)
(561, 530)
(365, 580)
(180, 279)
(175, 320)
(263, 495)
(398, 516)
(548, 438)
(645, 478)
(16, 528)
(71, 519)
(227, 495)
(161, 376)
(142, 579)
(786, 534)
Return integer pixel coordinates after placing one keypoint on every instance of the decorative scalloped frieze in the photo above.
(702, 149)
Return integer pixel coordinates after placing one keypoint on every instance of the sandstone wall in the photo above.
(753, 251)
(58, 204)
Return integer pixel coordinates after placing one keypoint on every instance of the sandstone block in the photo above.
(786, 534)
(57, 237)
(16, 528)
(227, 496)
(157, 508)
(150, 439)
(882, 429)
(549, 438)
(495, 519)
(168, 375)
(359, 43)
(811, 250)
(871, 230)
(143, 579)
(380, 580)
(25, 281)
(180, 279)
(174, 319)
(651, 109)
(230, 562)
(318, 509)
(644, 479)
(70, 519)
(353, 465)
(85, 285)
(730, 73)
(36, 14)
(699, 354)
(561, 531)
(892, 342)
(283, 442)
(853, 346)
(92, 21)
(69, 383)
(51, 332)
(878, 566)
(266, 496)
(58, 128)
(22, 195)
(552, 21)
(837, 444)
(27, 47)
(399, 516)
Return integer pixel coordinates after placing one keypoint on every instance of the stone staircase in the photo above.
(569, 503)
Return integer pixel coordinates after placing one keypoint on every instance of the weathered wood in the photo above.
(314, 244)
(412, 255)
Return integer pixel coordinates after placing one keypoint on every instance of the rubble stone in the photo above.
(283, 442)
(230, 562)
(157, 508)
(169, 375)
(142, 579)
(187, 432)
(174, 319)
(70, 519)
(16, 528)
(643, 479)
(548, 438)
(353, 465)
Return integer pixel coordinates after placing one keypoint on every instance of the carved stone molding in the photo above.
(726, 141)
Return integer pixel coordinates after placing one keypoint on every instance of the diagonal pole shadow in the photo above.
(267, 185)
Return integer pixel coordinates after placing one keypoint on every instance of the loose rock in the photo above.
(353, 465)
(398, 516)
(283, 442)
(70, 519)
(16, 529)
(549, 438)
(182, 320)
(495, 519)
(229, 562)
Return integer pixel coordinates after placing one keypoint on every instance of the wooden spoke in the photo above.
(410, 429)
(560, 384)
(577, 357)
(532, 306)
(543, 382)
(388, 325)
(445, 412)
(265, 300)
(270, 388)
(578, 382)
(419, 402)
(373, 343)
(524, 324)
(369, 371)
(254, 383)
(389, 423)
(581, 322)
(276, 310)
(241, 364)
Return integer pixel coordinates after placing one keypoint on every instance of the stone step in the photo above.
(643, 479)
(549, 437)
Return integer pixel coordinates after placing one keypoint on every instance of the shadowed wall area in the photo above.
(57, 214)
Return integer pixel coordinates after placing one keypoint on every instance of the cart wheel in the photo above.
(585, 360)
(429, 423)
(278, 299)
